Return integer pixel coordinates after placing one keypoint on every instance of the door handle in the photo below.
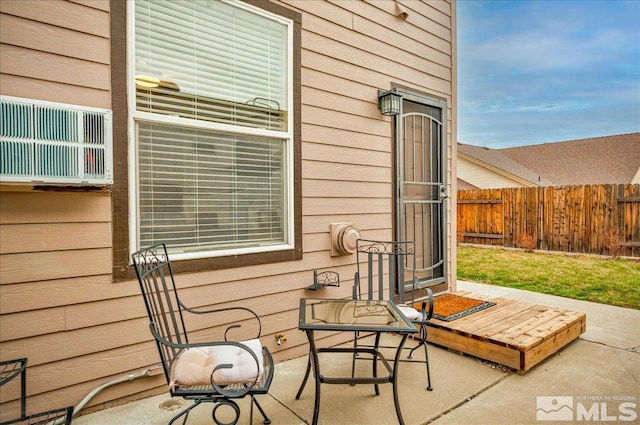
(443, 192)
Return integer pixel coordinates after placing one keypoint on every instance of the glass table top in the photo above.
(356, 315)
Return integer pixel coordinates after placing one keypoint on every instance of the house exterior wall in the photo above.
(59, 305)
(636, 177)
(56, 51)
(483, 177)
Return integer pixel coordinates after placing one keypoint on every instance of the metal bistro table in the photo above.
(319, 314)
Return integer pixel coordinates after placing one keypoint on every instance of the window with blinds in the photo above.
(213, 140)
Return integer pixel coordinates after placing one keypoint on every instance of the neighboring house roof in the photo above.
(502, 164)
(598, 160)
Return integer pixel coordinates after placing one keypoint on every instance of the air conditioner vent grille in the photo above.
(53, 143)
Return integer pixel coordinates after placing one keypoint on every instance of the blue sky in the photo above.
(537, 71)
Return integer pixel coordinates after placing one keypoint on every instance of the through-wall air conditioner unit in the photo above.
(54, 143)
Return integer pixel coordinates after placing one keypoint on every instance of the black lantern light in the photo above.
(389, 103)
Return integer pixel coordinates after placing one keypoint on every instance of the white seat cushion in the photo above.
(410, 312)
(195, 365)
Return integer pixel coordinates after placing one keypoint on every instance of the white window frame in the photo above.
(287, 136)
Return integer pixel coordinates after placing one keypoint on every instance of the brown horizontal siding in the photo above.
(55, 246)
(31, 267)
(90, 17)
(94, 4)
(52, 67)
(81, 343)
(56, 51)
(19, 86)
(362, 222)
(370, 16)
(346, 102)
(52, 39)
(57, 301)
(347, 206)
(53, 207)
(53, 237)
(119, 361)
(315, 188)
(345, 155)
(29, 295)
(344, 172)
(33, 323)
(363, 42)
(337, 119)
(376, 67)
(433, 17)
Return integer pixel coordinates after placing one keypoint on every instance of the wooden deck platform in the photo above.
(516, 334)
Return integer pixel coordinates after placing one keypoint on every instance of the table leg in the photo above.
(375, 361)
(306, 377)
(394, 379)
(313, 355)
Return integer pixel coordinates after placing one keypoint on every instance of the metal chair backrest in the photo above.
(381, 265)
(187, 378)
(161, 299)
(11, 369)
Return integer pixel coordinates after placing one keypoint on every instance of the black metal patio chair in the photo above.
(214, 372)
(11, 369)
(392, 264)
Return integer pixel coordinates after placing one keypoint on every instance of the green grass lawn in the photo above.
(583, 277)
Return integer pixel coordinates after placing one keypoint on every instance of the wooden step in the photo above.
(513, 333)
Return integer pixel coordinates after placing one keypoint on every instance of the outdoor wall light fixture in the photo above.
(389, 102)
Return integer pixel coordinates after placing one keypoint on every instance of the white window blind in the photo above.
(208, 190)
(202, 188)
(213, 61)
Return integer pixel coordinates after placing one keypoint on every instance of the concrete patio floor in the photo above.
(602, 367)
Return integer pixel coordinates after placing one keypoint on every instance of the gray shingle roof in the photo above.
(598, 160)
(498, 159)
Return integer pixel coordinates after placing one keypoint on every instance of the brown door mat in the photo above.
(450, 307)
